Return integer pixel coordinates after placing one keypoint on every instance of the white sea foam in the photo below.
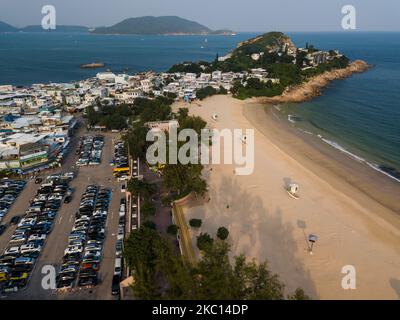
(342, 149)
(376, 167)
(357, 158)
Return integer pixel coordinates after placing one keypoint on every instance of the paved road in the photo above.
(163, 218)
(58, 239)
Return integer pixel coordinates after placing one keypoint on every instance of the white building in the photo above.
(106, 76)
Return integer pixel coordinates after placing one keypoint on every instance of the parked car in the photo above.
(2, 229)
(15, 220)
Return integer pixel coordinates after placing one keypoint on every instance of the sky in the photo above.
(237, 15)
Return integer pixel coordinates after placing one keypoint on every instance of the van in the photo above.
(115, 289)
(118, 266)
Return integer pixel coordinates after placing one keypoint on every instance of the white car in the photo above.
(12, 251)
(94, 242)
(92, 253)
(27, 248)
(74, 237)
(100, 213)
(17, 240)
(122, 214)
(27, 221)
(93, 247)
(73, 249)
(121, 233)
(55, 196)
(82, 219)
(35, 237)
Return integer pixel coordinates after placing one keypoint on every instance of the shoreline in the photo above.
(314, 86)
(353, 209)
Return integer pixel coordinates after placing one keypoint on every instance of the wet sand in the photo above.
(353, 209)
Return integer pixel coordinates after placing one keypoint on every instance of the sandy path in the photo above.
(265, 223)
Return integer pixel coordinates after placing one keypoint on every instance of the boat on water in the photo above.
(93, 65)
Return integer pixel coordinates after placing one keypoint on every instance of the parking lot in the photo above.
(57, 241)
(10, 190)
(89, 150)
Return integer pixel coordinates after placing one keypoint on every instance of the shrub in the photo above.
(195, 223)
(172, 229)
(222, 233)
(204, 242)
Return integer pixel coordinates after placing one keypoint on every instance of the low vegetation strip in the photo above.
(186, 242)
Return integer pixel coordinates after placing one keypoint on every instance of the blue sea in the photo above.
(359, 115)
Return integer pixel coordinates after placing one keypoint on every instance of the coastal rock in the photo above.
(313, 87)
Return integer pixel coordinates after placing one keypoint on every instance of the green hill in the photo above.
(274, 55)
(5, 27)
(59, 28)
(155, 26)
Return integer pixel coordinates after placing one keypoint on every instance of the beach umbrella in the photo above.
(312, 238)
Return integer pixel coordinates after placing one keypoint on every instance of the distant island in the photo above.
(59, 28)
(5, 27)
(164, 25)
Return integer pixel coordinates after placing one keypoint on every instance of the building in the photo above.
(106, 76)
(162, 125)
(22, 152)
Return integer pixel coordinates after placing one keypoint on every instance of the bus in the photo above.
(122, 172)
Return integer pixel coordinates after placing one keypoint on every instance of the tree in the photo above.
(192, 122)
(206, 92)
(148, 209)
(172, 229)
(149, 224)
(222, 90)
(184, 179)
(222, 233)
(299, 294)
(136, 139)
(204, 241)
(182, 114)
(214, 277)
(141, 250)
(195, 223)
(141, 188)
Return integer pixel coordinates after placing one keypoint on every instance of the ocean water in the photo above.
(27, 58)
(358, 115)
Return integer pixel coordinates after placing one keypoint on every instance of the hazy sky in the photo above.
(239, 15)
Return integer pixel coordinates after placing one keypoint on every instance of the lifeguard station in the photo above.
(293, 190)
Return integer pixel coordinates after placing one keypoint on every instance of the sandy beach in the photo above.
(353, 209)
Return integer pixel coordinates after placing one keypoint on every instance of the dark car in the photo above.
(15, 220)
(115, 285)
(2, 229)
(87, 281)
(67, 199)
(38, 180)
